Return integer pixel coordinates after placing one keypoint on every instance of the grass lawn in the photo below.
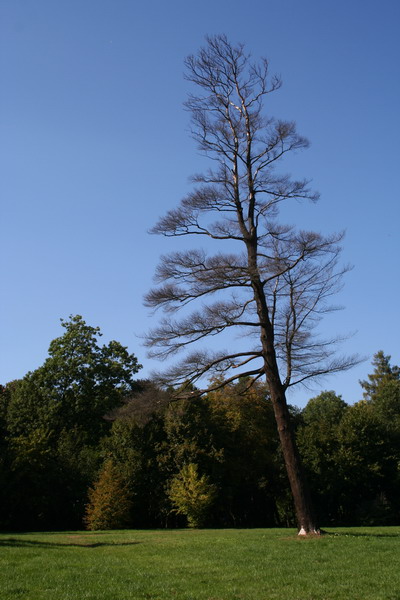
(252, 564)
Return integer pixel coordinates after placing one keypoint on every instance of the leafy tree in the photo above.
(382, 395)
(123, 446)
(190, 434)
(279, 284)
(138, 444)
(386, 402)
(191, 494)
(4, 400)
(229, 434)
(55, 420)
(109, 500)
(319, 444)
(368, 460)
(76, 386)
(382, 389)
(352, 457)
(249, 466)
(147, 400)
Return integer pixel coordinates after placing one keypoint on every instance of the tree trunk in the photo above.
(302, 502)
(301, 497)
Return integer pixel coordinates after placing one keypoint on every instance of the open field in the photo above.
(259, 564)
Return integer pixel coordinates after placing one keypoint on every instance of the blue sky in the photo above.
(94, 146)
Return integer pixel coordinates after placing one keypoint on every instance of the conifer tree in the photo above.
(383, 373)
(109, 500)
(192, 494)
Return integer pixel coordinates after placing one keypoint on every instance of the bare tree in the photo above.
(277, 283)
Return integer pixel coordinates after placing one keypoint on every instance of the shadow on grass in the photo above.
(361, 534)
(19, 543)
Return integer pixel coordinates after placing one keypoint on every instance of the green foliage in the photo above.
(352, 453)
(214, 460)
(318, 440)
(124, 446)
(318, 434)
(383, 373)
(53, 423)
(230, 435)
(383, 391)
(386, 402)
(326, 409)
(190, 434)
(192, 495)
(76, 386)
(250, 473)
(109, 500)
(368, 463)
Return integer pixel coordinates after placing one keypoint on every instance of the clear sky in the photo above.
(94, 147)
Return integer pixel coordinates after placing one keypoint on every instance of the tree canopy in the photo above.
(54, 421)
(211, 460)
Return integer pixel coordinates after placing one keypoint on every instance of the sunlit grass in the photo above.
(351, 564)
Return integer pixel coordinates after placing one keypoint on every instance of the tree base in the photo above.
(311, 531)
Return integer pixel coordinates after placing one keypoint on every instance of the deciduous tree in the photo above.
(272, 282)
(54, 420)
(76, 386)
(319, 444)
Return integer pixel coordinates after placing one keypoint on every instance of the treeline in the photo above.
(85, 444)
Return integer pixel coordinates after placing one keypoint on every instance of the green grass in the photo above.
(258, 564)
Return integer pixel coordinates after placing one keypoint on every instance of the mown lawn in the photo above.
(258, 564)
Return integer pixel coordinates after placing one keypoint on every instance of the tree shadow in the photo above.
(362, 534)
(21, 543)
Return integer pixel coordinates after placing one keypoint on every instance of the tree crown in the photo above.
(279, 284)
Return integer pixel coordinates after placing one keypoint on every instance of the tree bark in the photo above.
(301, 497)
(300, 492)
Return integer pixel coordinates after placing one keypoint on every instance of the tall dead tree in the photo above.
(277, 282)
